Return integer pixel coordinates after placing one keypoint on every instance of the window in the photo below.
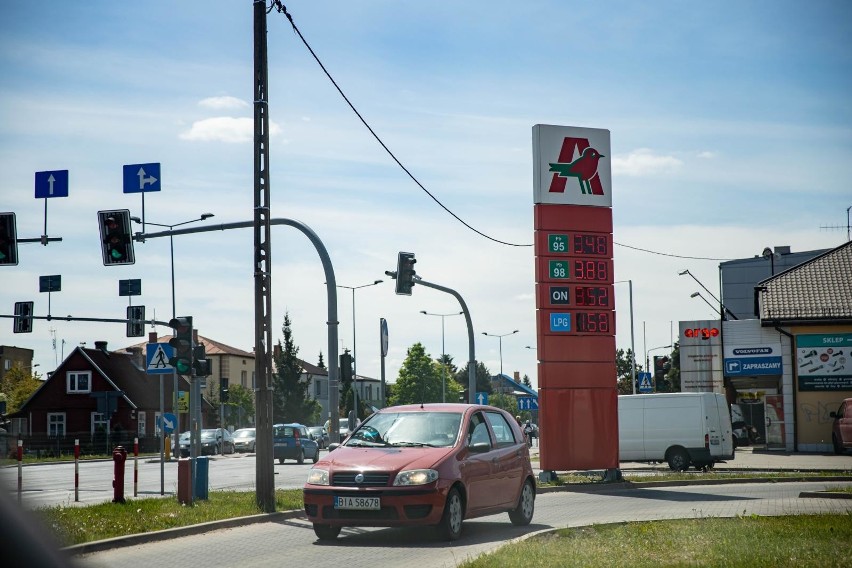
(502, 430)
(157, 422)
(243, 377)
(141, 424)
(79, 382)
(320, 388)
(7, 364)
(56, 424)
(478, 430)
(99, 422)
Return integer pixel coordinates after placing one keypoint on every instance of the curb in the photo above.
(825, 495)
(189, 530)
(621, 485)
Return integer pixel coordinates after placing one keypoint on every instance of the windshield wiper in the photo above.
(413, 445)
(365, 444)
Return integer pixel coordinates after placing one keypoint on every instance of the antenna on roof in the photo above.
(848, 226)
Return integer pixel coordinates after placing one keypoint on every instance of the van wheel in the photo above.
(678, 459)
(301, 457)
(838, 447)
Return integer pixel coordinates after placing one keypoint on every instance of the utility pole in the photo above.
(264, 470)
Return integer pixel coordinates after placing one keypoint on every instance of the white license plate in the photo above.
(357, 503)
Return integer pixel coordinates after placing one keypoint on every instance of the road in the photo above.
(53, 484)
(292, 542)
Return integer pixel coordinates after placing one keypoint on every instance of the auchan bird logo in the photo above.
(584, 167)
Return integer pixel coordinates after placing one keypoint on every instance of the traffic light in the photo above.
(346, 368)
(405, 273)
(223, 390)
(135, 321)
(463, 396)
(116, 240)
(200, 362)
(23, 317)
(8, 240)
(181, 342)
(661, 367)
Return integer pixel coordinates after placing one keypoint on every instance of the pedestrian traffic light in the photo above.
(181, 343)
(405, 273)
(23, 317)
(200, 362)
(346, 368)
(116, 240)
(223, 390)
(135, 321)
(8, 240)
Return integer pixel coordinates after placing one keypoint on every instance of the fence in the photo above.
(41, 445)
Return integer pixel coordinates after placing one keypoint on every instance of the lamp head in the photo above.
(206, 216)
(694, 294)
(136, 219)
(378, 281)
(423, 312)
(767, 252)
(681, 273)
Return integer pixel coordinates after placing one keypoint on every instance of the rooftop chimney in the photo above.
(102, 347)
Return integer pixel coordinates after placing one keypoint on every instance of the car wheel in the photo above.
(301, 458)
(280, 460)
(326, 532)
(523, 513)
(678, 459)
(838, 447)
(451, 521)
(316, 456)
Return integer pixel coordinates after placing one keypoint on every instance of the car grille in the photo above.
(417, 511)
(347, 479)
(385, 513)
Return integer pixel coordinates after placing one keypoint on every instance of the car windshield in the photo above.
(184, 436)
(244, 434)
(208, 434)
(408, 429)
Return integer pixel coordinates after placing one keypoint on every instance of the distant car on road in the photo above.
(293, 442)
(245, 440)
(319, 434)
(211, 442)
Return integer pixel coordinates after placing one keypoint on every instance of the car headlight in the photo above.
(318, 476)
(416, 477)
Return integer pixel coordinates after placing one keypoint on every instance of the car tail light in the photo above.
(296, 436)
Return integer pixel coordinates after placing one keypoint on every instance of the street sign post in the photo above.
(157, 359)
(141, 178)
(51, 184)
(527, 403)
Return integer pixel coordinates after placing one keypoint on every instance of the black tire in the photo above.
(280, 460)
(838, 447)
(522, 515)
(316, 456)
(300, 459)
(326, 532)
(450, 526)
(678, 459)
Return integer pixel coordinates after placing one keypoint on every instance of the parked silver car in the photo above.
(245, 440)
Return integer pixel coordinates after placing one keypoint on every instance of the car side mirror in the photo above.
(333, 446)
(479, 447)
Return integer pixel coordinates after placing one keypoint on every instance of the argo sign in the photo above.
(702, 332)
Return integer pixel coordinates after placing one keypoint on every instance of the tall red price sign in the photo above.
(575, 304)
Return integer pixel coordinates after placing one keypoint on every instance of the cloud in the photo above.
(225, 129)
(707, 155)
(223, 103)
(643, 162)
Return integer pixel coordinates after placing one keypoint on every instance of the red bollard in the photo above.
(119, 456)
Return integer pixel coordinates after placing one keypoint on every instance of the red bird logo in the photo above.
(583, 168)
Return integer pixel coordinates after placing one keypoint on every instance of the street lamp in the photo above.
(501, 344)
(647, 362)
(723, 309)
(203, 217)
(698, 295)
(354, 353)
(443, 351)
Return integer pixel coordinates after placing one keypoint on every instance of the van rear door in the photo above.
(718, 424)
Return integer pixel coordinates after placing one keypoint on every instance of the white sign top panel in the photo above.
(571, 166)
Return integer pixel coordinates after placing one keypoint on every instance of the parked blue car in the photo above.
(293, 442)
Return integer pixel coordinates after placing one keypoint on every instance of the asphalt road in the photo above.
(292, 541)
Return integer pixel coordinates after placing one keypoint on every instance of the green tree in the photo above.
(505, 401)
(18, 386)
(321, 363)
(526, 381)
(483, 377)
(419, 378)
(624, 370)
(240, 406)
(290, 400)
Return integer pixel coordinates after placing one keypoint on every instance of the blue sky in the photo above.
(730, 123)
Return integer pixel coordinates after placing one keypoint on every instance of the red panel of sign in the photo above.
(579, 270)
(575, 374)
(583, 296)
(579, 428)
(556, 348)
(573, 243)
(575, 322)
(549, 217)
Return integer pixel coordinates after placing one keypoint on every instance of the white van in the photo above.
(684, 429)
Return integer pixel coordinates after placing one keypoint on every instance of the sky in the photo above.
(730, 122)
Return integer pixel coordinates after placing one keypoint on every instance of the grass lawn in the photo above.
(752, 541)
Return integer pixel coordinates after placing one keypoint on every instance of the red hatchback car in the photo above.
(431, 464)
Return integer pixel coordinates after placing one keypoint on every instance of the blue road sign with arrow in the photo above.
(527, 403)
(482, 398)
(141, 178)
(168, 422)
(51, 184)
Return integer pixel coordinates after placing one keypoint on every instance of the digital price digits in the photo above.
(593, 322)
(591, 270)
(591, 296)
(590, 244)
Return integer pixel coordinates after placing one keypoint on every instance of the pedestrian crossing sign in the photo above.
(157, 359)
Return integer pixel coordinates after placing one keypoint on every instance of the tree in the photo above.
(419, 378)
(290, 400)
(240, 405)
(18, 386)
(321, 363)
(526, 381)
(483, 377)
(624, 370)
(671, 382)
(505, 401)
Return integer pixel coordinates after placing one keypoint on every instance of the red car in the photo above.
(431, 464)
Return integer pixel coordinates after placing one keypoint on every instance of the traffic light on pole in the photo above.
(661, 367)
(116, 240)
(346, 368)
(181, 342)
(23, 317)
(8, 240)
(223, 390)
(405, 273)
(200, 362)
(135, 321)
